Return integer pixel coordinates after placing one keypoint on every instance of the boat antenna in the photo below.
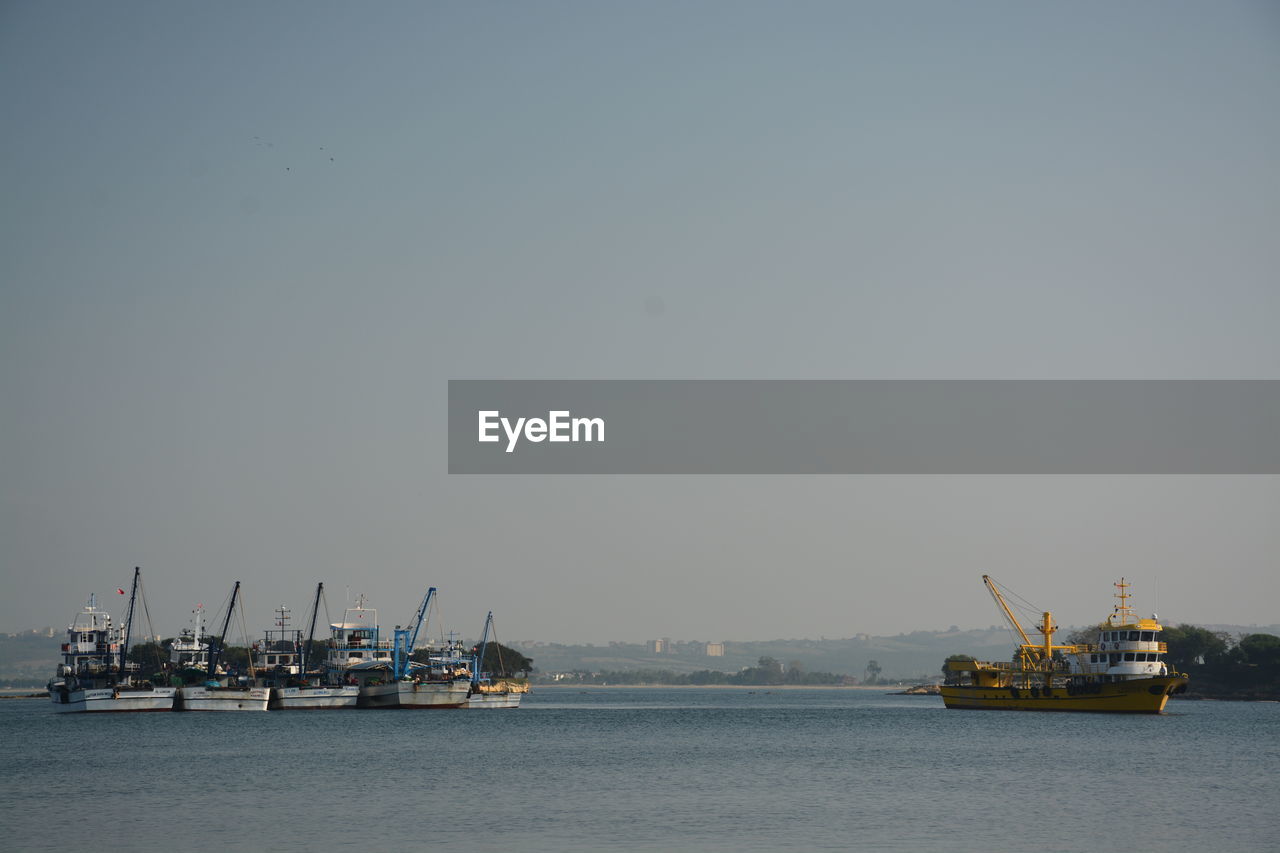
(128, 624)
(1123, 610)
(311, 633)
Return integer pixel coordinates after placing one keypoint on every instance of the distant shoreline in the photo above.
(749, 687)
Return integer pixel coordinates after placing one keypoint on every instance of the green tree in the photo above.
(872, 672)
(230, 657)
(317, 652)
(1083, 636)
(770, 671)
(149, 656)
(504, 662)
(795, 673)
(1191, 646)
(1262, 650)
(950, 658)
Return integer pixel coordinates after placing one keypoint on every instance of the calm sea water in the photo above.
(645, 769)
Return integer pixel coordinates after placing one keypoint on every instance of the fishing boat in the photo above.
(443, 681)
(221, 690)
(189, 653)
(95, 673)
(356, 651)
(283, 666)
(1123, 671)
(485, 691)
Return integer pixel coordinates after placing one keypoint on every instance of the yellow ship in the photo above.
(1124, 671)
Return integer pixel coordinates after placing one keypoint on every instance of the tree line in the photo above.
(1220, 666)
(768, 672)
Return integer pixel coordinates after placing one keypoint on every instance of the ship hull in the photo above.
(113, 701)
(407, 694)
(1135, 696)
(313, 698)
(223, 698)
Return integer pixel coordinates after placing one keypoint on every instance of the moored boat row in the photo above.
(360, 667)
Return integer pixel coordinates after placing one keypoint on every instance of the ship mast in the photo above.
(1123, 610)
(222, 640)
(311, 633)
(128, 624)
(484, 644)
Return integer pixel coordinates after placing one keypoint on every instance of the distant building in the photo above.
(658, 647)
(715, 650)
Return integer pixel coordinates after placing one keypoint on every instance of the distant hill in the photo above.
(903, 657)
(29, 658)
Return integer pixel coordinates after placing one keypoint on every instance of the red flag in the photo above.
(119, 590)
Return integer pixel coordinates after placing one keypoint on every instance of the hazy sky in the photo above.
(243, 247)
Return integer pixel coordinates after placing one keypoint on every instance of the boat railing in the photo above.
(359, 643)
(1121, 646)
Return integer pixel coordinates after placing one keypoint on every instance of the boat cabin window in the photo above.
(1148, 636)
(1115, 659)
(1128, 655)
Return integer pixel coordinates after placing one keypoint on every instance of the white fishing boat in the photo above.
(499, 694)
(282, 663)
(188, 653)
(486, 692)
(356, 651)
(220, 691)
(412, 693)
(313, 697)
(392, 680)
(95, 673)
(222, 697)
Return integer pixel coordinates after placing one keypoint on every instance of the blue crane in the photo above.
(406, 639)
